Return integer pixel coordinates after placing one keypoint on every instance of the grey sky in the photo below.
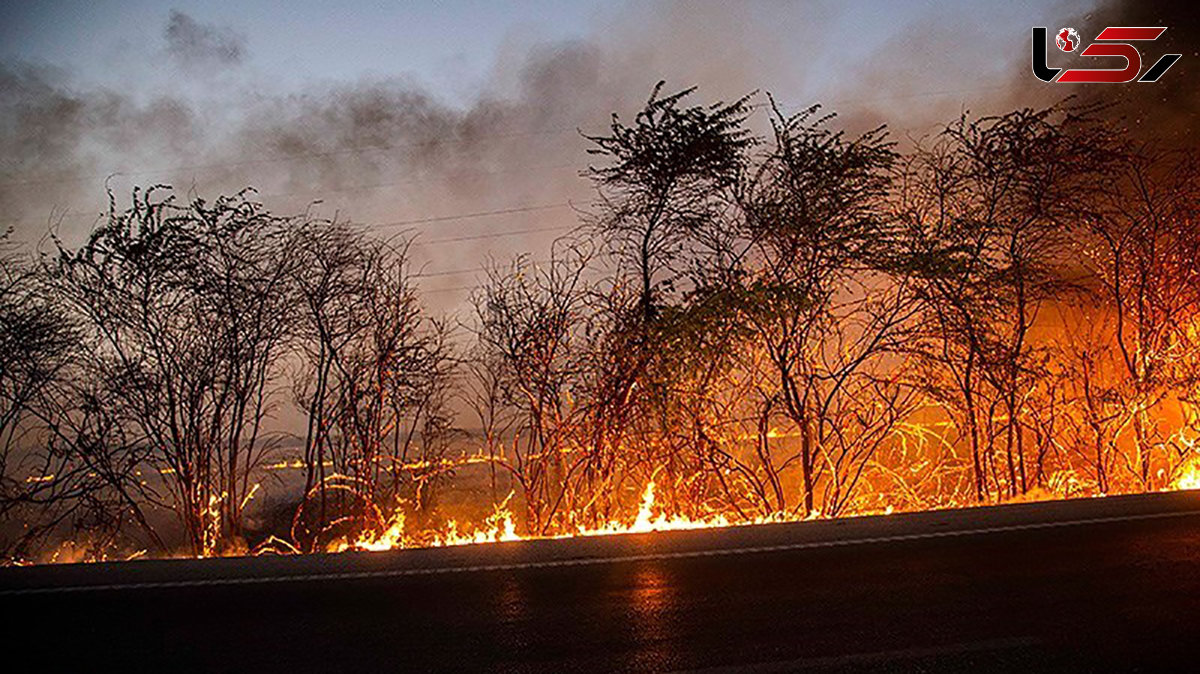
(450, 47)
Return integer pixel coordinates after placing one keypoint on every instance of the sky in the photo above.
(439, 44)
(457, 123)
(451, 47)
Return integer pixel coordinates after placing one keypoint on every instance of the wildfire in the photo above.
(647, 521)
(411, 466)
(1188, 476)
(500, 527)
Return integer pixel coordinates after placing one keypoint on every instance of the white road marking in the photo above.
(590, 561)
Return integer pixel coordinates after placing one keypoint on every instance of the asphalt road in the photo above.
(1098, 585)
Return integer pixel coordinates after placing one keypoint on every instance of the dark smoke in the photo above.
(1165, 110)
(57, 144)
(198, 46)
(383, 151)
(377, 151)
(971, 69)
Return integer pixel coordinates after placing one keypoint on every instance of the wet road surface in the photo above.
(1097, 585)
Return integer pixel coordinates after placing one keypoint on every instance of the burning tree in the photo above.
(664, 195)
(1144, 252)
(814, 287)
(746, 329)
(991, 205)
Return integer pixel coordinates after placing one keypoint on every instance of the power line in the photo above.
(451, 217)
(492, 235)
(468, 216)
(317, 194)
(447, 272)
(474, 286)
(423, 179)
(452, 272)
(447, 290)
(472, 270)
(476, 237)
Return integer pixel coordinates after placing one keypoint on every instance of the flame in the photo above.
(412, 466)
(501, 527)
(646, 521)
(1188, 475)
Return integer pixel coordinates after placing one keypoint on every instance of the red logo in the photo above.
(1112, 41)
(1067, 39)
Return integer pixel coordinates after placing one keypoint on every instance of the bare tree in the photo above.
(187, 310)
(37, 350)
(531, 322)
(372, 379)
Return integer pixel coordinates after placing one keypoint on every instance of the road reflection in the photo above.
(653, 613)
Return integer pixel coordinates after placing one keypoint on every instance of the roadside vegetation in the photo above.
(794, 324)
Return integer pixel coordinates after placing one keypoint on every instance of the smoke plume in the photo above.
(499, 175)
(196, 46)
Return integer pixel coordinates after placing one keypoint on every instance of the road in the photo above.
(1107, 585)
